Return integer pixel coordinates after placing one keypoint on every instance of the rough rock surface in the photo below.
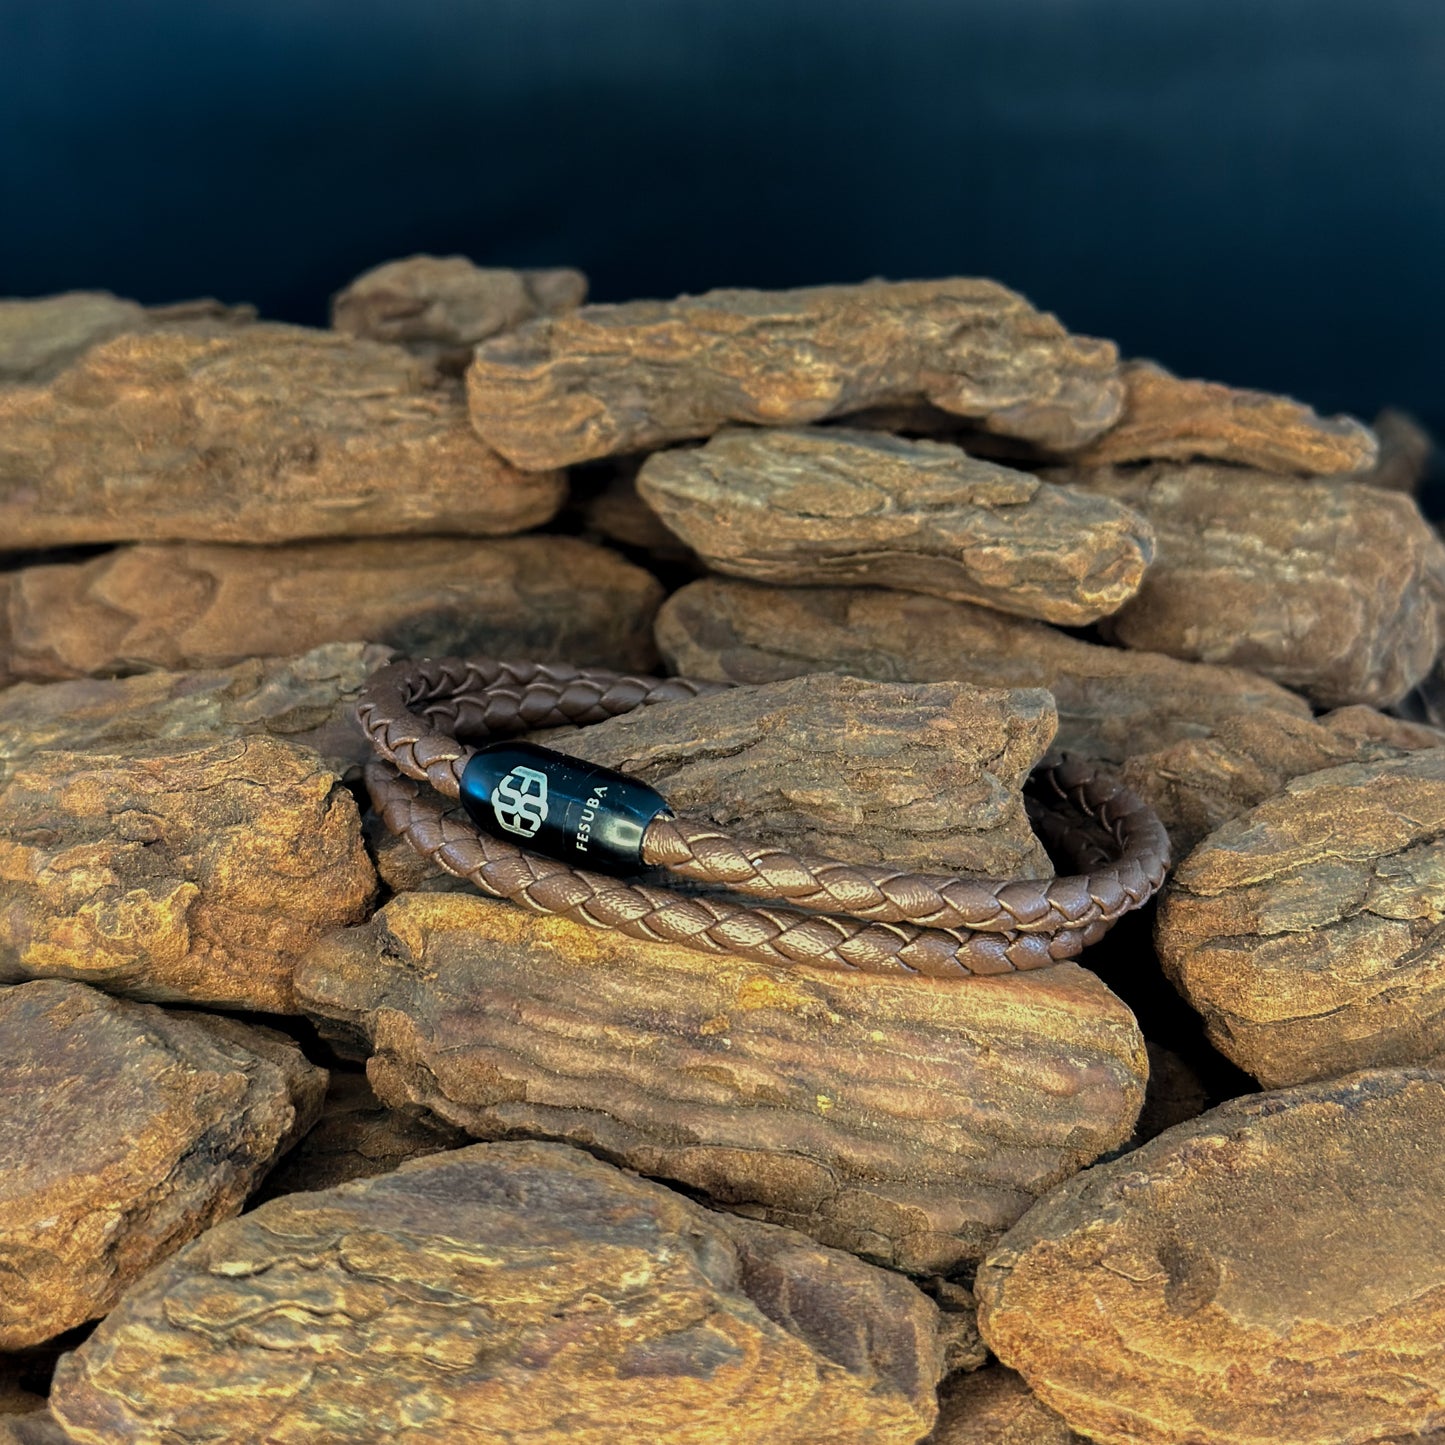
(922, 775)
(1308, 931)
(611, 379)
(439, 307)
(908, 1123)
(833, 505)
(184, 872)
(616, 513)
(506, 1291)
(1267, 1274)
(1111, 702)
(40, 336)
(356, 1137)
(308, 700)
(36, 1427)
(1168, 419)
(193, 605)
(1333, 589)
(251, 434)
(127, 1130)
(993, 1406)
(1198, 784)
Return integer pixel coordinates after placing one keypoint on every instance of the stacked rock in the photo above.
(598, 1188)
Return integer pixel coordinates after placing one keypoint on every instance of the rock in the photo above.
(963, 1346)
(1166, 419)
(1111, 703)
(189, 871)
(356, 1137)
(1333, 589)
(617, 514)
(308, 700)
(506, 1291)
(606, 380)
(37, 1427)
(1198, 784)
(1175, 1093)
(909, 1124)
(925, 776)
(1405, 449)
(1307, 931)
(193, 605)
(439, 307)
(127, 1131)
(1267, 1274)
(260, 433)
(831, 505)
(41, 336)
(993, 1406)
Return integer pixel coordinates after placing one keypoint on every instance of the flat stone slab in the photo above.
(1267, 1274)
(506, 1291)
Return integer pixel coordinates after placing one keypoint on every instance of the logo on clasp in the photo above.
(519, 801)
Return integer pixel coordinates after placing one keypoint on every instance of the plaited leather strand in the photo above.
(424, 717)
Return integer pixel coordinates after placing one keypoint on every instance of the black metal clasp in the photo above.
(580, 813)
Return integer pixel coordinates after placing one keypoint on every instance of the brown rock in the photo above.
(184, 872)
(925, 775)
(439, 307)
(127, 1131)
(36, 1427)
(1307, 931)
(1404, 457)
(907, 1124)
(506, 1291)
(195, 605)
(611, 379)
(1333, 589)
(357, 1137)
(617, 514)
(1267, 1274)
(1198, 784)
(831, 505)
(1167, 419)
(260, 433)
(308, 700)
(41, 336)
(1111, 703)
(963, 1346)
(994, 1407)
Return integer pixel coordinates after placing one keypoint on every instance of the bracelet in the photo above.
(437, 721)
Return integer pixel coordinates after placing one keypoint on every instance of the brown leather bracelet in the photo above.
(426, 720)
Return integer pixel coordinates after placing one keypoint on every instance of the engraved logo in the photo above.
(519, 801)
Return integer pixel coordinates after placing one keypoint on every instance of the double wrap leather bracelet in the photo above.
(551, 833)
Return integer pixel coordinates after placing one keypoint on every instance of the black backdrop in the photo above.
(1252, 190)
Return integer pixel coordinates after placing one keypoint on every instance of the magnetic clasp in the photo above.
(580, 813)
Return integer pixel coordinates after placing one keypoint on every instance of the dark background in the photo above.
(1252, 190)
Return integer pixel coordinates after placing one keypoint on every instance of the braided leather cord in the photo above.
(850, 917)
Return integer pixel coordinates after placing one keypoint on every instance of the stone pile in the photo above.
(304, 1140)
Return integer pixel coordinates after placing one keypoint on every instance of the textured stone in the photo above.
(923, 775)
(1267, 1274)
(832, 505)
(42, 335)
(1168, 419)
(618, 514)
(126, 1131)
(194, 605)
(1198, 784)
(308, 699)
(1307, 931)
(177, 872)
(611, 379)
(506, 1292)
(251, 434)
(356, 1137)
(36, 1427)
(993, 1406)
(910, 1124)
(1333, 589)
(439, 307)
(1111, 702)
